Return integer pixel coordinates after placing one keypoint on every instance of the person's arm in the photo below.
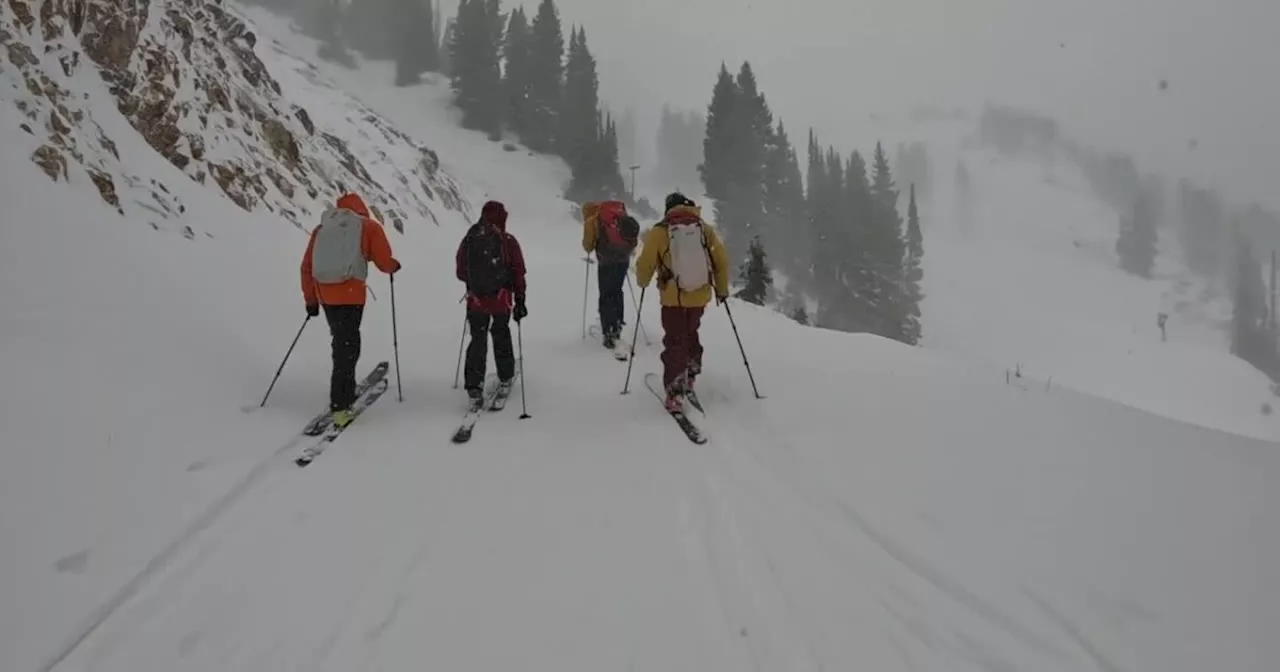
(460, 260)
(515, 260)
(376, 247)
(309, 296)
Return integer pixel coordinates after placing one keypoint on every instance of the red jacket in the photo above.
(500, 304)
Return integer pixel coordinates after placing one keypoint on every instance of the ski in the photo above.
(322, 421)
(652, 381)
(331, 434)
(692, 398)
(474, 411)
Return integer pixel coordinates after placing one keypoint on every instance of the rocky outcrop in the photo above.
(187, 76)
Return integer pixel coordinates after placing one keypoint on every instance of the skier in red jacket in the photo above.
(490, 262)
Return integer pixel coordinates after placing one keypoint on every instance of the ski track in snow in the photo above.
(160, 562)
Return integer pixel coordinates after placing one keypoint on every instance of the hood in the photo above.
(494, 213)
(684, 213)
(353, 203)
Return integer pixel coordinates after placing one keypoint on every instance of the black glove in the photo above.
(521, 311)
(313, 309)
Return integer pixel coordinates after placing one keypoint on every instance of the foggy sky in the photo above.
(1094, 64)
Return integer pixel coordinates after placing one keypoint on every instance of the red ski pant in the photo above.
(680, 344)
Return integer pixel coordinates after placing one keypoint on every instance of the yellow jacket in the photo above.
(655, 257)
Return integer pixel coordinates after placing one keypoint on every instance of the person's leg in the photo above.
(477, 353)
(612, 277)
(675, 344)
(344, 328)
(504, 355)
(602, 298)
(693, 323)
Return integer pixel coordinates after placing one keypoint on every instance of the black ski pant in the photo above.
(344, 327)
(482, 325)
(611, 277)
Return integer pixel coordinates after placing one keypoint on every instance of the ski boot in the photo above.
(674, 402)
(476, 400)
(343, 417)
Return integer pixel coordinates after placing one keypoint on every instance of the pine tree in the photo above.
(515, 76)
(447, 37)
(609, 169)
(323, 21)
(366, 24)
(580, 127)
(755, 274)
(1202, 219)
(913, 274)
(474, 59)
(887, 252)
(753, 128)
(414, 47)
(860, 271)
(1136, 244)
(823, 271)
(546, 76)
(1251, 338)
(718, 146)
(784, 204)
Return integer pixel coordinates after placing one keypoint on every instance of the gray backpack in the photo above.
(337, 255)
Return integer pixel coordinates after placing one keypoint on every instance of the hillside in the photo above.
(1020, 274)
(884, 508)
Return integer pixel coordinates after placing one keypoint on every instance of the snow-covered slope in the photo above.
(885, 508)
(1021, 275)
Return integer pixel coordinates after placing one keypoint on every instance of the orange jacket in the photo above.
(376, 248)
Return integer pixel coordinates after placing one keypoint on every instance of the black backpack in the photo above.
(487, 268)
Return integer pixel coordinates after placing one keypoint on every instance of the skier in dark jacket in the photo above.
(612, 234)
(490, 262)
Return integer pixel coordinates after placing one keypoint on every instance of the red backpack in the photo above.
(620, 230)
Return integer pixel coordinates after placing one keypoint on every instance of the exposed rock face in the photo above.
(187, 76)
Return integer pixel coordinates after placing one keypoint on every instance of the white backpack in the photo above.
(337, 255)
(690, 263)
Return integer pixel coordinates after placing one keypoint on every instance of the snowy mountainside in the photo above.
(1021, 275)
(884, 508)
(187, 77)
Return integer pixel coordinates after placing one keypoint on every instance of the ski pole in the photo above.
(742, 350)
(645, 332)
(524, 401)
(461, 340)
(282, 363)
(626, 386)
(586, 282)
(395, 339)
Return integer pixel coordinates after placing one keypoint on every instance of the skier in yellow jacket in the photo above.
(690, 261)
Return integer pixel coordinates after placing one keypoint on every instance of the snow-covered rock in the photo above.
(187, 77)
